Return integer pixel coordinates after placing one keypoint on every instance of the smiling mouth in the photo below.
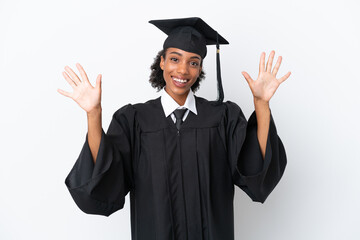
(179, 80)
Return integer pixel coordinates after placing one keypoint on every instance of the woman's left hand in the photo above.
(267, 83)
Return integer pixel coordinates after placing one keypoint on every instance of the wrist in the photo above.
(260, 102)
(95, 112)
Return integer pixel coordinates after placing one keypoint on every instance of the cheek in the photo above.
(169, 69)
(166, 70)
(166, 73)
(196, 73)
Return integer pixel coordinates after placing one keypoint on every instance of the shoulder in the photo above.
(212, 113)
(138, 107)
(214, 106)
(142, 114)
(232, 107)
(148, 107)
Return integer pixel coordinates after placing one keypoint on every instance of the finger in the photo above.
(69, 80)
(277, 66)
(262, 62)
(62, 92)
(82, 73)
(75, 78)
(270, 61)
(98, 81)
(247, 78)
(284, 77)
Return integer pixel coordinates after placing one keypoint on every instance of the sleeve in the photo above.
(256, 176)
(101, 188)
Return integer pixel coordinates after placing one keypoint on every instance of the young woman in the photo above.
(179, 155)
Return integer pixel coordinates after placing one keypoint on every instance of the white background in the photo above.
(316, 110)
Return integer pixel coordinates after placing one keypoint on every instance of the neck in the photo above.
(179, 99)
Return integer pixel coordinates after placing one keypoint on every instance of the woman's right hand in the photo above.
(84, 94)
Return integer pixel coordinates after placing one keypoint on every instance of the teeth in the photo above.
(180, 80)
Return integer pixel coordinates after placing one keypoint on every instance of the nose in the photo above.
(183, 68)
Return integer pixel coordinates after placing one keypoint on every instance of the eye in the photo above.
(174, 59)
(194, 64)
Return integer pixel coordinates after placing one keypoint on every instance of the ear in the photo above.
(162, 63)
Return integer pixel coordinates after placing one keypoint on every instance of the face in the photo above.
(180, 70)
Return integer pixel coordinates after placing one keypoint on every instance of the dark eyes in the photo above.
(174, 59)
(193, 63)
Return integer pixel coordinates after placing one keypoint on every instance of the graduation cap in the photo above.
(192, 35)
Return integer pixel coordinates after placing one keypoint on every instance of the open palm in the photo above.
(266, 84)
(84, 94)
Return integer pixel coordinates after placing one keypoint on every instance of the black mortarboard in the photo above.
(192, 35)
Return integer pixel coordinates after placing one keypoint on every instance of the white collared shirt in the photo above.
(170, 105)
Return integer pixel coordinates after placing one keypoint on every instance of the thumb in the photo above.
(98, 81)
(247, 77)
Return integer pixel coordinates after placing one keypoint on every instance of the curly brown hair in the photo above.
(157, 78)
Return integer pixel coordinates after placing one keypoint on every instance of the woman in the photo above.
(179, 155)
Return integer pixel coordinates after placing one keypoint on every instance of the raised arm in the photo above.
(89, 99)
(263, 89)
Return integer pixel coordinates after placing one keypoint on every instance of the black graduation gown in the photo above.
(181, 183)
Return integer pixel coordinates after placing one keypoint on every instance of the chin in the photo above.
(179, 91)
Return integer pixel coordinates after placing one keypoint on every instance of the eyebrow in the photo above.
(181, 55)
